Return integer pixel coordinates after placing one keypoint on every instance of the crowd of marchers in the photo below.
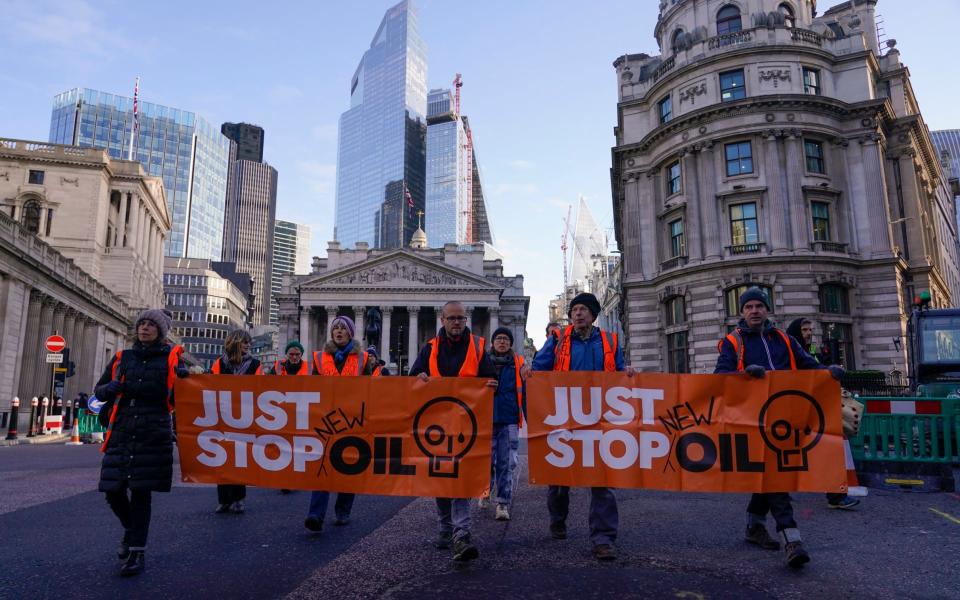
(137, 387)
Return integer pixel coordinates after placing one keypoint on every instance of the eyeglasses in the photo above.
(455, 318)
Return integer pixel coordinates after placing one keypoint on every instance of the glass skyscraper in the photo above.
(291, 254)
(185, 150)
(447, 198)
(381, 152)
(948, 140)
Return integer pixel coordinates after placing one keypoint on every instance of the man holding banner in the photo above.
(583, 347)
(754, 347)
(455, 352)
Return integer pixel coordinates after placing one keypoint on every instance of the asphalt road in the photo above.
(58, 539)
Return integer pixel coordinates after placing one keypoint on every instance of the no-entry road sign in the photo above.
(55, 343)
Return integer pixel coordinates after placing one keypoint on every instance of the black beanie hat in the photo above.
(505, 332)
(588, 300)
(754, 293)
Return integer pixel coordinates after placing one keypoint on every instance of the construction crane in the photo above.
(563, 247)
(457, 84)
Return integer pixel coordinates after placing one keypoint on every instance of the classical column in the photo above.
(40, 378)
(494, 319)
(31, 350)
(439, 312)
(122, 218)
(709, 206)
(469, 311)
(87, 370)
(359, 313)
(800, 220)
(384, 348)
(692, 192)
(650, 197)
(69, 331)
(331, 315)
(778, 215)
(414, 335)
(632, 250)
(305, 325)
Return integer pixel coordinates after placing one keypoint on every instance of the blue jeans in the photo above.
(503, 462)
(604, 517)
(453, 515)
(320, 500)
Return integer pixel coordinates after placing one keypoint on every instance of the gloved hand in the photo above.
(836, 371)
(182, 372)
(114, 387)
(755, 371)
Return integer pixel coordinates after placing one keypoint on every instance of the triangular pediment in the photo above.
(399, 269)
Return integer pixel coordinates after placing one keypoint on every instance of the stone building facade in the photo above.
(81, 251)
(770, 146)
(402, 290)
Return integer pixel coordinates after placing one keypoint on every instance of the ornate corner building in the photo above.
(768, 146)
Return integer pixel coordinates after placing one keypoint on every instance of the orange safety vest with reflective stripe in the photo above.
(561, 358)
(736, 340)
(173, 361)
(280, 369)
(325, 364)
(215, 368)
(471, 363)
(518, 365)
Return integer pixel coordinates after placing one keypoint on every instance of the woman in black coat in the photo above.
(236, 360)
(138, 450)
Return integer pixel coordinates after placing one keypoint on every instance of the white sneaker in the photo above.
(502, 513)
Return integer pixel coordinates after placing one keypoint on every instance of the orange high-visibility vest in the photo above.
(216, 368)
(736, 340)
(471, 363)
(561, 357)
(325, 364)
(517, 365)
(173, 361)
(280, 369)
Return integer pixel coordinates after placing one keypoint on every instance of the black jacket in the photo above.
(139, 453)
(451, 356)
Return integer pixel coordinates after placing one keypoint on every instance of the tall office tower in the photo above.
(291, 255)
(249, 218)
(948, 141)
(447, 200)
(479, 225)
(249, 140)
(185, 150)
(381, 152)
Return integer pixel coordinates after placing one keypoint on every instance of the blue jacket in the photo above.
(505, 409)
(765, 348)
(584, 355)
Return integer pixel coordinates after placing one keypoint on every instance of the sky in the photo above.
(539, 88)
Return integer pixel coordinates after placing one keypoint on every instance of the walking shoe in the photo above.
(502, 513)
(604, 552)
(758, 534)
(483, 502)
(341, 521)
(134, 565)
(313, 524)
(443, 540)
(463, 550)
(558, 530)
(796, 555)
(845, 503)
(222, 508)
(123, 552)
(237, 507)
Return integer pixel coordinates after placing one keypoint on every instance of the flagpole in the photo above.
(134, 122)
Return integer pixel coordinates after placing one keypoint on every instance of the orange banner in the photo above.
(703, 433)
(370, 435)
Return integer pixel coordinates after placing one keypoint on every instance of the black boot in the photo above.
(123, 552)
(135, 564)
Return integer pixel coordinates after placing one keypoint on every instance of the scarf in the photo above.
(242, 367)
(501, 360)
(341, 354)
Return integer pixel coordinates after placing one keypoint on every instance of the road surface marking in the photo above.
(946, 516)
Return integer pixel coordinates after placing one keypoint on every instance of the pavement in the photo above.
(59, 538)
(47, 438)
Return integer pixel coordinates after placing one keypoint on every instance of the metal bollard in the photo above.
(33, 418)
(43, 415)
(14, 412)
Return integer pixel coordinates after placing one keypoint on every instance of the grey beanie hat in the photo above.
(159, 317)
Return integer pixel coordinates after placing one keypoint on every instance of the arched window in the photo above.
(675, 39)
(732, 297)
(789, 19)
(31, 216)
(728, 20)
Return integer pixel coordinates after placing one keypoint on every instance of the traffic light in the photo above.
(70, 368)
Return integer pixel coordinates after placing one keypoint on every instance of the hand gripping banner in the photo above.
(703, 433)
(369, 435)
